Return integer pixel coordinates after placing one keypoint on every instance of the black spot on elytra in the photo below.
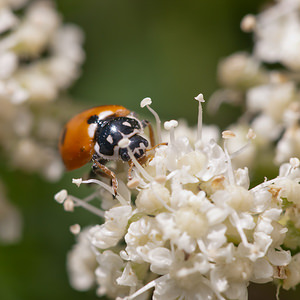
(92, 119)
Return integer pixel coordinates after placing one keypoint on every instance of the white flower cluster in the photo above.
(25, 76)
(271, 97)
(39, 58)
(187, 226)
(277, 34)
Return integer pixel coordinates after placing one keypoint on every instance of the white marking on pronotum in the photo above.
(105, 114)
(91, 130)
(97, 148)
(110, 139)
(125, 123)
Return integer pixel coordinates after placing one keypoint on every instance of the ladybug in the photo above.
(94, 135)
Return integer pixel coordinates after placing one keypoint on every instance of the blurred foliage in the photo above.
(166, 50)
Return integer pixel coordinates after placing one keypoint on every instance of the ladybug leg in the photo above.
(146, 123)
(131, 165)
(98, 166)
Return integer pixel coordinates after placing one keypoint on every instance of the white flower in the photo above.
(53, 57)
(128, 277)
(247, 156)
(39, 29)
(81, 263)
(277, 34)
(271, 99)
(232, 278)
(108, 234)
(30, 156)
(266, 128)
(241, 70)
(183, 275)
(35, 31)
(142, 236)
(148, 202)
(109, 270)
(169, 289)
(292, 273)
(8, 64)
(7, 19)
(289, 144)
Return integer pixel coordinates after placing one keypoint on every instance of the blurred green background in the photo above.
(166, 50)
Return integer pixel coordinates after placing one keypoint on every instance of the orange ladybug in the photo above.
(94, 135)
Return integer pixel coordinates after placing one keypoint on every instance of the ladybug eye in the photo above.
(124, 154)
(93, 119)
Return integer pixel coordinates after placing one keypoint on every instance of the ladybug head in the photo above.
(137, 144)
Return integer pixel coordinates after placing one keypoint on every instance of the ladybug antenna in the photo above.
(147, 102)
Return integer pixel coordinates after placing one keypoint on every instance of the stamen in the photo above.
(200, 99)
(248, 23)
(133, 183)
(203, 249)
(295, 163)
(91, 197)
(87, 206)
(278, 291)
(138, 166)
(209, 284)
(106, 187)
(170, 125)
(69, 204)
(146, 287)
(227, 135)
(172, 246)
(147, 102)
(77, 181)
(61, 196)
(264, 184)
(165, 205)
(142, 183)
(240, 230)
(250, 136)
(161, 179)
(75, 229)
(239, 151)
